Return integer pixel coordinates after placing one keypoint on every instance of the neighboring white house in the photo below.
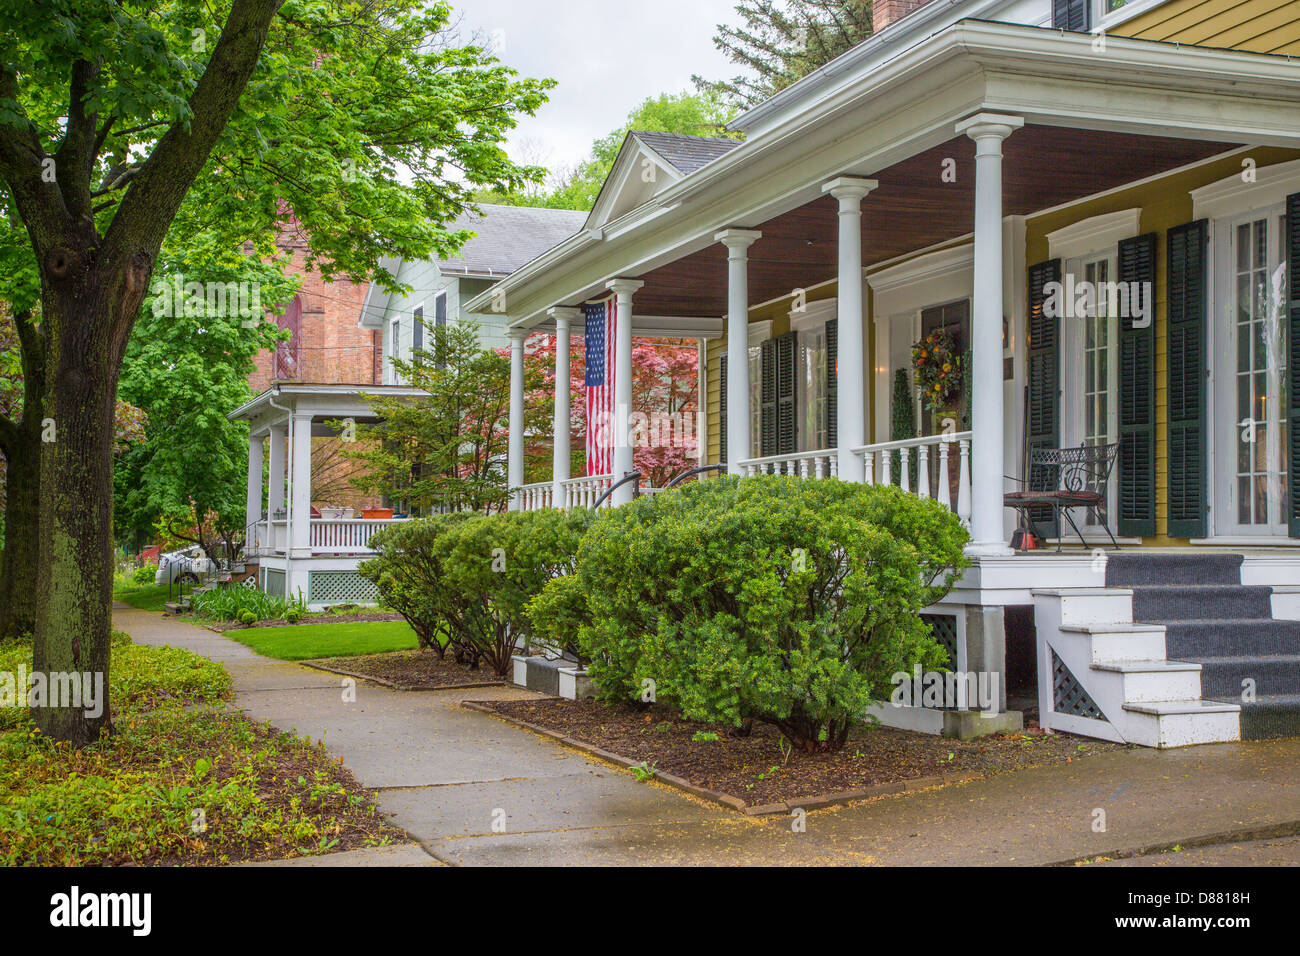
(302, 546)
(505, 238)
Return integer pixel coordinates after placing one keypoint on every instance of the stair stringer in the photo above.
(1143, 698)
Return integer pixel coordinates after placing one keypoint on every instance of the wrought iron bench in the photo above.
(1063, 479)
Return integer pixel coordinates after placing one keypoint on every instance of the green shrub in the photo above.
(495, 565)
(293, 615)
(145, 574)
(247, 617)
(777, 599)
(408, 572)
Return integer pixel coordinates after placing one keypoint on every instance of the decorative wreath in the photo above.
(939, 370)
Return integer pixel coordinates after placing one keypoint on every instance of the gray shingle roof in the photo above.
(510, 236)
(686, 153)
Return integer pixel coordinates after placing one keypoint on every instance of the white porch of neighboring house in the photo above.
(298, 554)
(837, 205)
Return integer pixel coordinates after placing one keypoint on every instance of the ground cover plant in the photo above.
(234, 603)
(183, 778)
(771, 599)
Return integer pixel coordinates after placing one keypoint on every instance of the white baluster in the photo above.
(819, 467)
(923, 471)
(904, 461)
(963, 482)
(868, 467)
(886, 468)
(944, 490)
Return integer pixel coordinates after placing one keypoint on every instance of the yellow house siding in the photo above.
(1260, 26)
(1165, 203)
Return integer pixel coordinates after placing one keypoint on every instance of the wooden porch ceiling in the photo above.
(913, 209)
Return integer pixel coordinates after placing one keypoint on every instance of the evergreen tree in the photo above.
(781, 41)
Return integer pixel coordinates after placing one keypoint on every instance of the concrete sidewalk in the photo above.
(475, 790)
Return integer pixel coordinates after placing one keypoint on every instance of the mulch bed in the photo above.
(750, 773)
(318, 619)
(410, 670)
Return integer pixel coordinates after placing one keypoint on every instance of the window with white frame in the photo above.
(813, 404)
(394, 347)
(1100, 345)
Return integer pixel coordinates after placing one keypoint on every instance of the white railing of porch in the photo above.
(345, 535)
(534, 497)
(931, 452)
(804, 464)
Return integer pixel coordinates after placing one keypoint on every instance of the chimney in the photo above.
(886, 12)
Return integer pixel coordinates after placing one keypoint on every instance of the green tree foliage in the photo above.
(691, 114)
(770, 598)
(357, 122)
(187, 365)
(446, 451)
(781, 41)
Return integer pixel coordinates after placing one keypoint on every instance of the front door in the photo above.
(1250, 371)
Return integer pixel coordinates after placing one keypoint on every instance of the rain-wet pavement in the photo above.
(472, 789)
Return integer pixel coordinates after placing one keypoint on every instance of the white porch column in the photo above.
(563, 421)
(275, 473)
(851, 380)
(515, 458)
(988, 130)
(300, 485)
(253, 509)
(622, 289)
(737, 242)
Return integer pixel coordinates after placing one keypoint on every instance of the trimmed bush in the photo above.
(144, 574)
(407, 569)
(466, 581)
(783, 600)
(493, 568)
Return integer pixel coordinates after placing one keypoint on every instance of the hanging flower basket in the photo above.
(939, 370)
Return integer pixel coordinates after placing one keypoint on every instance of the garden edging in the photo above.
(724, 799)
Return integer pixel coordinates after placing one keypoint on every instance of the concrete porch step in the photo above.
(1145, 681)
(1180, 723)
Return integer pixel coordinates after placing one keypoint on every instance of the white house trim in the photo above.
(813, 315)
(1130, 11)
(922, 281)
(1234, 195)
(1095, 234)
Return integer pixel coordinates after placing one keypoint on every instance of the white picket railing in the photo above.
(581, 492)
(804, 464)
(930, 454)
(538, 495)
(346, 535)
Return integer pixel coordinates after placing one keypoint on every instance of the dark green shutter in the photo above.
(1188, 276)
(1137, 398)
(1043, 378)
(722, 408)
(787, 420)
(1292, 256)
(832, 383)
(1075, 15)
(767, 437)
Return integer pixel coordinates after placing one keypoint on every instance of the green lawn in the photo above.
(303, 641)
(146, 597)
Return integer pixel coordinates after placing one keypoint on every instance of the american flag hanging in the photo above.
(600, 320)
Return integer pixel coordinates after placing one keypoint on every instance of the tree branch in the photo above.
(74, 160)
(39, 202)
(157, 191)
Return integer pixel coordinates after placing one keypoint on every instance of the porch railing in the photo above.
(804, 464)
(345, 535)
(581, 492)
(924, 467)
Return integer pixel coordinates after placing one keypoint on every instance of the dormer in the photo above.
(647, 164)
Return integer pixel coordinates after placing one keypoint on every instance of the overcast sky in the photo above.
(608, 56)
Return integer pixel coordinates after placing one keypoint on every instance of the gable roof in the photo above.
(509, 236)
(686, 153)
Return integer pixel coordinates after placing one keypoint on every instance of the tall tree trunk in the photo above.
(83, 306)
(22, 527)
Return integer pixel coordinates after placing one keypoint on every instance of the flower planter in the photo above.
(381, 513)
